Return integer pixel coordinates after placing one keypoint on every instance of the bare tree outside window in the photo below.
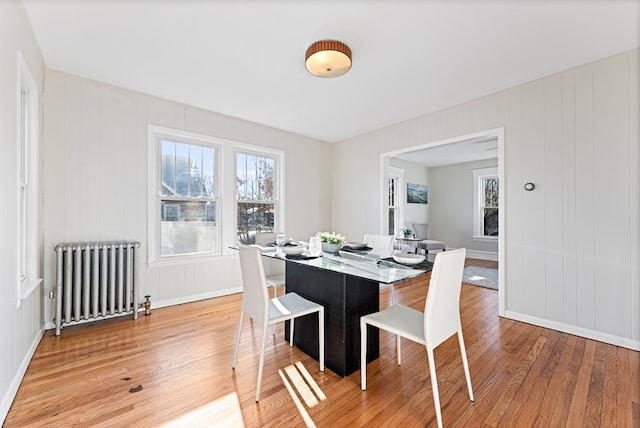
(256, 196)
(490, 208)
(487, 203)
(393, 206)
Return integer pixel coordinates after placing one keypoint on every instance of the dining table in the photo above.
(347, 284)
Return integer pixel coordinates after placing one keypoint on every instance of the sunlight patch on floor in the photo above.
(298, 379)
(223, 412)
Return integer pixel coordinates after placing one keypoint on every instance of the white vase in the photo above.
(328, 247)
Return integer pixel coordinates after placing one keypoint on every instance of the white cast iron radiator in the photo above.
(95, 280)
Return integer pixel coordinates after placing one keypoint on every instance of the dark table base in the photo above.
(345, 299)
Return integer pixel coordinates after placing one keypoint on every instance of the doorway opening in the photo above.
(457, 150)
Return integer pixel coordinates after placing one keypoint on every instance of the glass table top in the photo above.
(367, 266)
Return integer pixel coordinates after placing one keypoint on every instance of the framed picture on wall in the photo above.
(417, 194)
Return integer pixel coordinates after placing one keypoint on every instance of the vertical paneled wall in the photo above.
(22, 325)
(452, 207)
(572, 245)
(96, 178)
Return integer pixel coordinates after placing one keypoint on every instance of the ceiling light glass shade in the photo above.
(328, 58)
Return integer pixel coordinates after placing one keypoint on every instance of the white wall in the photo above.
(22, 326)
(572, 244)
(96, 180)
(453, 207)
(415, 174)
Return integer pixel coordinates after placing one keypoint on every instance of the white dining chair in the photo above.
(275, 281)
(439, 321)
(382, 246)
(265, 311)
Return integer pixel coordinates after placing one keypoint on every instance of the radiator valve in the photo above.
(147, 305)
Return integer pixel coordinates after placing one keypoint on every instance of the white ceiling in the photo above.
(246, 58)
(465, 150)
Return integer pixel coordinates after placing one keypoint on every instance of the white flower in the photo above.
(332, 238)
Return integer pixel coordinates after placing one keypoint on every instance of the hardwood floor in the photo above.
(173, 368)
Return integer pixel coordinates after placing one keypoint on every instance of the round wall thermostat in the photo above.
(529, 186)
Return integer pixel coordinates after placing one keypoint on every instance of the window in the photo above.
(188, 187)
(185, 204)
(393, 207)
(27, 192)
(487, 203)
(256, 195)
(394, 189)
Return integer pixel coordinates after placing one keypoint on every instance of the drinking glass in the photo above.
(315, 246)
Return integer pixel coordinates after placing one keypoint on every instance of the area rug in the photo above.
(483, 277)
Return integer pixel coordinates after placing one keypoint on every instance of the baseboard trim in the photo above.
(195, 298)
(482, 255)
(10, 395)
(178, 301)
(575, 330)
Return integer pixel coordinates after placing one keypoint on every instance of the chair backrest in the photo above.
(265, 238)
(381, 244)
(442, 306)
(255, 296)
(421, 230)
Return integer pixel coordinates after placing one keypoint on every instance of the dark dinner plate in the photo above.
(301, 256)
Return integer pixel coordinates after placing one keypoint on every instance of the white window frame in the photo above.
(28, 261)
(398, 175)
(279, 156)
(479, 175)
(155, 135)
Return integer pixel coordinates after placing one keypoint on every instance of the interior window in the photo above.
(487, 203)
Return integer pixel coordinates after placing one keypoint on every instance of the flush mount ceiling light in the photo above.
(328, 58)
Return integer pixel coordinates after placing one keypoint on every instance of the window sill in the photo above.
(176, 261)
(485, 238)
(26, 288)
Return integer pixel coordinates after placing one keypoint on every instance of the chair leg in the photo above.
(291, 321)
(235, 352)
(363, 354)
(321, 337)
(399, 349)
(465, 364)
(393, 294)
(275, 294)
(434, 386)
(261, 365)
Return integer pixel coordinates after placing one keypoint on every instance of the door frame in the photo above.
(498, 133)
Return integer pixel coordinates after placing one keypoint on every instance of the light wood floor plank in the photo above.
(173, 368)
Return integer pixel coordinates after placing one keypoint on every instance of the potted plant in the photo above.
(331, 242)
(406, 232)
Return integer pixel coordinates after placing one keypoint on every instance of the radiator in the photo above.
(95, 280)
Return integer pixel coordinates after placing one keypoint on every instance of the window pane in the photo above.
(266, 168)
(392, 221)
(392, 192)
(208, 158)
(491, 192)
(23, 233)
(182, 170)
(241, 176)
(490, 222)
(188, 227)
(255, 184)
(168, 168)
(254, 218)
(195, 168)
(187, 170)
(255, 177)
